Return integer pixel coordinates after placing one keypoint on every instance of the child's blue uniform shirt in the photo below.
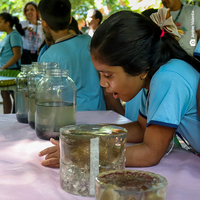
(73, 54)
(13, 39)
(172, 102)
(132, 107)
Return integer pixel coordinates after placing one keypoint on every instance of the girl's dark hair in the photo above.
(133, 41)
(7, 17)
(36, 8)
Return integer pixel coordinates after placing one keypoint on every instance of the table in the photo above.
(22, 177)
(9, 87)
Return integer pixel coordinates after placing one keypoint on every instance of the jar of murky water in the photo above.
(34, 76)
(22, 94)
(55, 100)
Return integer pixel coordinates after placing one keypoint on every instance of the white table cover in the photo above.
(23, 178)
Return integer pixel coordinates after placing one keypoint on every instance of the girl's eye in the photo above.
(107, 76)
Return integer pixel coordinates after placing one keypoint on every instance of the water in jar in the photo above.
(31, 112)
(22, 106)
(51, 116)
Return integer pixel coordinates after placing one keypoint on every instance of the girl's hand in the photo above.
(52, 158)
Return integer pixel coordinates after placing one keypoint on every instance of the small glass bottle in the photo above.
(22, 94)
(55, 101)
(34, 76)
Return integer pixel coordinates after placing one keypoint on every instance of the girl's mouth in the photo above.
(116, 95)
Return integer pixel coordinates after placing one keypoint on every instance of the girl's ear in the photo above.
(44, 24)
(143, 75)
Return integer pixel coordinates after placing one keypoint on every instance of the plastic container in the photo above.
(55, 101)
(130, 184)
(22, 94)
(86, 150)
(34, 76)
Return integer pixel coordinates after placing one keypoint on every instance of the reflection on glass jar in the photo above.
(22, 94)
(87, 150)
(55, 103)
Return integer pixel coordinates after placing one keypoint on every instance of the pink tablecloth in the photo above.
(22, 177)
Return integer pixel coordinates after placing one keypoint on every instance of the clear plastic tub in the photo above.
(130, 185)
(87, 150)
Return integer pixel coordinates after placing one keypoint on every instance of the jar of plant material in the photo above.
(87, 150)
(130, 184)
(22, 94)
(34, 76)
(55, 102)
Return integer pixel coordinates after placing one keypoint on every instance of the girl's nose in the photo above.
(103, 82)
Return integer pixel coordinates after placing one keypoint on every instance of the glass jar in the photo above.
(130, 184)
(55, 101)
(22, 94)
(86, 150)
(34, 76)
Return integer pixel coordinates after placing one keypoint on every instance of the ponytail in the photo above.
(18, 26)
(13, 21)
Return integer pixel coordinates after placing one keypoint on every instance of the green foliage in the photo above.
(116, 5)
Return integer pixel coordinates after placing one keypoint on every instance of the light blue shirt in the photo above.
(132, 107)
(13, 39)
(172, 102)
(73, 54)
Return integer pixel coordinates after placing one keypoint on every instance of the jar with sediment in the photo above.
(55, 101)
(34, 76)
(22, 94)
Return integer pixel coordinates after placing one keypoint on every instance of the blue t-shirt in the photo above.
(13, 39)
(44, 48)
(132, 107)
(73, 54)
(171, 100)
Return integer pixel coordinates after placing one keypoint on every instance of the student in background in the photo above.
(197, 55)
(34, 36)
(186, 18)
(93, 20)
(10, 51)
(72, 53)
(73, 28)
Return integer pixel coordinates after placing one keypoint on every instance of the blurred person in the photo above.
(93, 20)
(71, 52)
(34, 35)
(73, 28)
(197, 55)
(10, 52)
(186, 18)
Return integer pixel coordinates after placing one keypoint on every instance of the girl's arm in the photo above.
(16, 56)
(198, 99)
(154, 146)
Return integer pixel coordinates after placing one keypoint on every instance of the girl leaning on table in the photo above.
(10, 51)
(133, 53)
